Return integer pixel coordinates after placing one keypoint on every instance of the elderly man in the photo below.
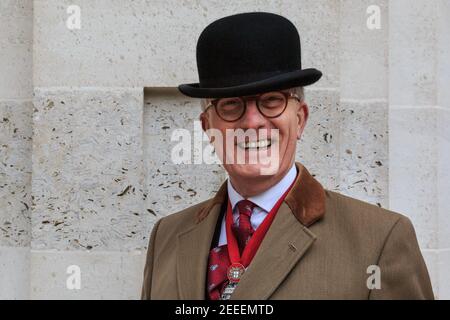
(273, 234)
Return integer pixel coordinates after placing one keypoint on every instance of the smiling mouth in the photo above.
(255, 145)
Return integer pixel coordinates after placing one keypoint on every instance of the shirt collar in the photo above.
(267, 199)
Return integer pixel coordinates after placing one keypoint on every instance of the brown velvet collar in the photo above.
(306, 199)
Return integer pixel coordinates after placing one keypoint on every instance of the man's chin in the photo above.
(248, 171)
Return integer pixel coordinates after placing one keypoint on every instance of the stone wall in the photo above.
(86, 117)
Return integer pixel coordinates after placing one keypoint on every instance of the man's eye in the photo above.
(230, 104)
(273, 99)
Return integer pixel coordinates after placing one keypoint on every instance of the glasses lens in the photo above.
(230, 109)
(272, 104)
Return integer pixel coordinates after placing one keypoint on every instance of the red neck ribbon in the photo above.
(256, 239)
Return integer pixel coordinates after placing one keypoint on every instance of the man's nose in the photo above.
(252, 117)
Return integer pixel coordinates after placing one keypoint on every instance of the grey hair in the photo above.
(299, 91)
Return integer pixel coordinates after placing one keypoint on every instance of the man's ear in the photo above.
(205, 121)
(206, 125)
(302, 117)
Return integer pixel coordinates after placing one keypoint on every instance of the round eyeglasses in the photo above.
(270, 105)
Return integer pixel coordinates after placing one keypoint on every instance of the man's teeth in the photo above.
(255, 144)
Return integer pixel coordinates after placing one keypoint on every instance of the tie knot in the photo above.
(245, 207)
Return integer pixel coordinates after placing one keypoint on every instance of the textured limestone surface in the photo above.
(419, 143)
(88, 169)
(100, 275)
(345, 145)
(363, 52)
(437, 263)
(417, 181)
(15, 172)
(152, 43)
(16, 41)
(413, 44)
(364, 150)
(443, 173)
(318, 148)
(14, 272)
(16, 89)
(172, 187)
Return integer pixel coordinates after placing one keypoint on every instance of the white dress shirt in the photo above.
(264, 202)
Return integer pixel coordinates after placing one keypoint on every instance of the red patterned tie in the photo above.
(217, 271)
(218, 257)
(244, 230)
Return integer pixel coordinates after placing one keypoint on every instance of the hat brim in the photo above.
(297, 78)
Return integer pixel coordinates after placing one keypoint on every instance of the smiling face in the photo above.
(264, 144)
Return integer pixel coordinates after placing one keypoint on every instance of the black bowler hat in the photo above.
(246, 54)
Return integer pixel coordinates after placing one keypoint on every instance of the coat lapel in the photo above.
(284, 244)
(193, 248)
(287, 239)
